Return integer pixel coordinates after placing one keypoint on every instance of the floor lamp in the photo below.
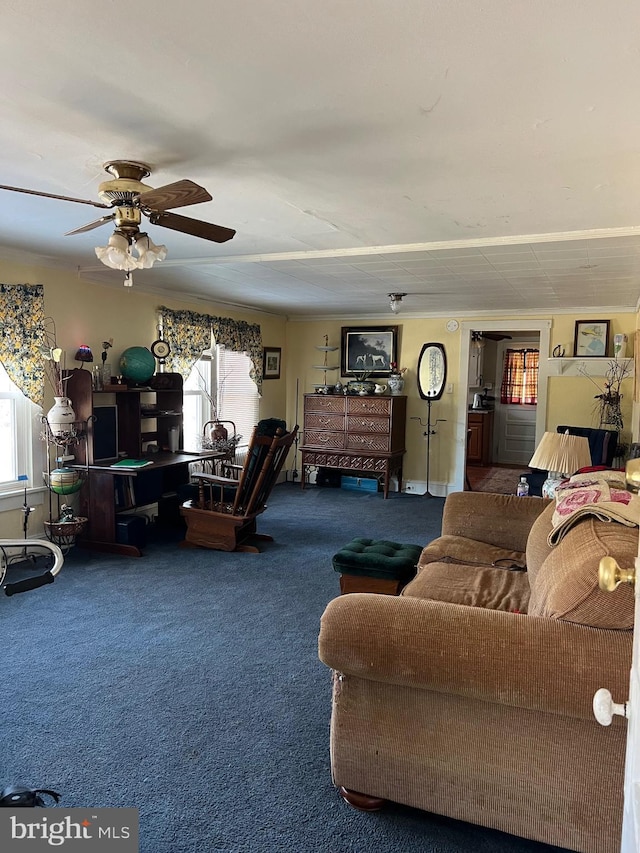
(432, 376)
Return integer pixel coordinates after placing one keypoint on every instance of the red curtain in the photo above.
(520, 377)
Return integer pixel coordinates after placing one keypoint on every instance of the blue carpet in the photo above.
(186, 683)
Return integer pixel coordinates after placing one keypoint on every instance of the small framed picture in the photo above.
(271, 362)
(591, 339)
(370, 351)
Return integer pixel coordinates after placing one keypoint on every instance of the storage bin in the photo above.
(359, 484)
(131, 530)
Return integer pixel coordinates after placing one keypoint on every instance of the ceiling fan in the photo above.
(491, 336)
(130, 199)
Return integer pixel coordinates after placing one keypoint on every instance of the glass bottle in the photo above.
(97, 378)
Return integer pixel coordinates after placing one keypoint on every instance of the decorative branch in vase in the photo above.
(217, 436)
(609, 407)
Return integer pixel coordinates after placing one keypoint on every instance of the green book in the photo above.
(132, 463)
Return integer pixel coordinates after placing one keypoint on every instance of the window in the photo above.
(19, 437)
(220, 382)
(520, 377)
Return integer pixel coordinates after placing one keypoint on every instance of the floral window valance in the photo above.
(22, 336)
(188, 333)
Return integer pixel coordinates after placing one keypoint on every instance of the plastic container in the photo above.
(174, 439)
(523, 488)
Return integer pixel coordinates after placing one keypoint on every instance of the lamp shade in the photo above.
(116, 254)
(148, 252)
(84, 353)
(561, 453)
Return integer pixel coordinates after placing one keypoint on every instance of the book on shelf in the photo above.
(131, 464)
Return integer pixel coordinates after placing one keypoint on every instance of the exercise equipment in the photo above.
(28, 551)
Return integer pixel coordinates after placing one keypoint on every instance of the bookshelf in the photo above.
(144, 415)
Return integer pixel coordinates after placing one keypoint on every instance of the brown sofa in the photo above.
(470, 695)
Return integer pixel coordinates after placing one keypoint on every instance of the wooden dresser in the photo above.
(355, 434)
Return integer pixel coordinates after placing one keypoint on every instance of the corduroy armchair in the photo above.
(470, 695)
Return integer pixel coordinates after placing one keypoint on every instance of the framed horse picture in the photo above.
(368, 351)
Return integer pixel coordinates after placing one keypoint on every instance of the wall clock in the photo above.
(160, 349)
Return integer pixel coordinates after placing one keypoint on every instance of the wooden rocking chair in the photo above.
(224, 515)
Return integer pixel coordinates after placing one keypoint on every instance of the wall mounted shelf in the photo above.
(591, 366)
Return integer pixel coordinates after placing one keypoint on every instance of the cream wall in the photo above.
(91, 313)
(569, 399)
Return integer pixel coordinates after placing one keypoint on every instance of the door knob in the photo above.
(611, 575)
(604, 708)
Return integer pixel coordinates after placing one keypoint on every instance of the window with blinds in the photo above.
(220, 383)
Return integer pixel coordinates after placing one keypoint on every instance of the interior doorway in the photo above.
(514, 425)
(522, 329)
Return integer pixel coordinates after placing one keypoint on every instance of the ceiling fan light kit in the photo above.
(118, 253)
(130, 199)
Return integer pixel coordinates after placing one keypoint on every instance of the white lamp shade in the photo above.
(116, 253)
(561, 453)
(148, 252)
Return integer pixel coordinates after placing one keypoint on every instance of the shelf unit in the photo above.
(65, 446)
(592, 366)
(145, 414)
(325, 366)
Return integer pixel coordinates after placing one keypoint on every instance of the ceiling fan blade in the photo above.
(496, 336)
(53, 195)
(91, 225)
(195, 227)
(178, 194)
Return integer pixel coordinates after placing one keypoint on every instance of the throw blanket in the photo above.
(602, 495)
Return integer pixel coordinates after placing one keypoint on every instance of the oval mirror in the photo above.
(432, 371)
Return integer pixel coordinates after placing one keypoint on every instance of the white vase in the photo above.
(61, 416)
(396, 384)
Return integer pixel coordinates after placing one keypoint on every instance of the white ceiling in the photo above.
(478, 157)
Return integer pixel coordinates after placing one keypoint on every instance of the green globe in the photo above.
(138, 364)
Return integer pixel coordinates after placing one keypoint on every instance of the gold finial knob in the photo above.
(611, 575)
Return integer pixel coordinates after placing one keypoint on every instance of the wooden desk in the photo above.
(98, 496)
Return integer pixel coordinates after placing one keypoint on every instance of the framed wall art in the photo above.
(369, 350)
(591, 339)
(271, 358)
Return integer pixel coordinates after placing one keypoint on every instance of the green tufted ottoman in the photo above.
(376, 565)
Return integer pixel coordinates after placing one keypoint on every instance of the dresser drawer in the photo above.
(369, 406)
(367, 423)
(322, 403)
(369, 442)
(324, 420)
(324, 439)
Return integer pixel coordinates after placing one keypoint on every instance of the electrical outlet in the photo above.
(449, 387)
